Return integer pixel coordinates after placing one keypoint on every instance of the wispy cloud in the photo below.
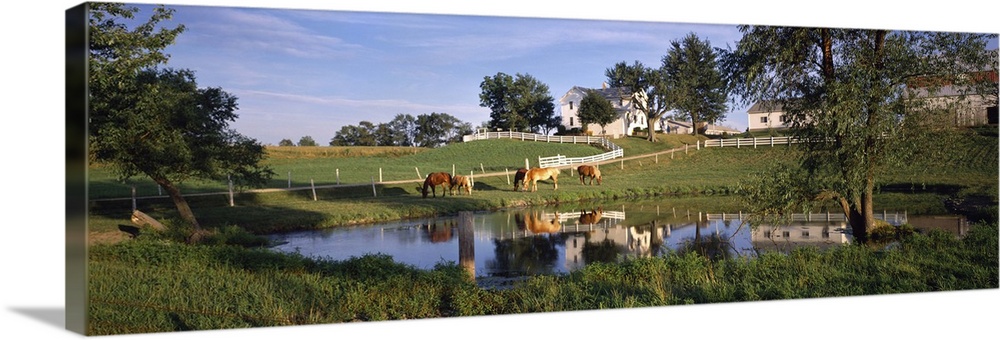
(256, 32)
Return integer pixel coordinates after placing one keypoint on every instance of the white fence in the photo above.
(560, 160)
(557, 160)
(749, 142)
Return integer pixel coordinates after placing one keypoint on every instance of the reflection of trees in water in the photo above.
(531, 255)
(604, 251)
(715, 246)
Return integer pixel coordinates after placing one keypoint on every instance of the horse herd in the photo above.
(523, 178)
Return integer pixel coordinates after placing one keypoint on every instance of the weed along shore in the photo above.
(322, 188)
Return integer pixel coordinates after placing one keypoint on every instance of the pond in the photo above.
(557, 240)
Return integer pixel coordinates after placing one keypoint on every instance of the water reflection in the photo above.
(559, 240)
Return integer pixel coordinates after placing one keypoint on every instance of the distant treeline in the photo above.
(425, 130)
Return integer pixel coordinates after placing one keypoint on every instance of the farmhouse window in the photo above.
(571, 107)
(763, 119)
(571, 120)
(783, 119)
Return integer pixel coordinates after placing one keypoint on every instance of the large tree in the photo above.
(595, 109)
(519, 103)
(694, 82)
(157, 122)
(852, 96)
(651, 83)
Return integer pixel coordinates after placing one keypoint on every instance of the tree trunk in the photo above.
(182, 206)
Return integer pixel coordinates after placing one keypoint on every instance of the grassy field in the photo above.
(714, 171)
(155, 284)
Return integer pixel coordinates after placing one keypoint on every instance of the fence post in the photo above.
(686, 148)
(338, 176)
(380, 175)
(480, 168)
(373, 187)
(418, 172)
(313, 184)
(755, 142)
(507, 172)
(526, 166)
(289, 179)
(472, 180)
(230, 190)
(133, 197)
(697, 145)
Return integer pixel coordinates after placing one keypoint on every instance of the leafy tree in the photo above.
(519, 103)
(434, 129)
(636, 78)
(694, 82)
(307, 141)
(157, 122)
(354, 135)
(366, 134)
(852, 94)
(404, 129)
(286, 142)
(596, 109)
(384, 135)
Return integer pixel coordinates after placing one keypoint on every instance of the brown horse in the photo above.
(589, 171)
(591, 217)
(541, 174)
(538, 225)
(458, 182)
(519, 178)
(435, 179)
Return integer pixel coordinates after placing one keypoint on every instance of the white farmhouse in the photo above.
(629, 117)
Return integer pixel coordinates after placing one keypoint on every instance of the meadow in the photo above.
(157, 283)
(920, 187)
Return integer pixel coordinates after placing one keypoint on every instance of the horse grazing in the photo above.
(592, 217)
(519, 178)
(435, 179)
(540, 174)
(589, 171)
(458, 182)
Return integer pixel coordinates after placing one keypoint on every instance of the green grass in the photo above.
(322, 169)
(149, 286)
(919, 188)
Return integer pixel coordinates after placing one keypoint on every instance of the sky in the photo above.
(34, 133)
(308, 72)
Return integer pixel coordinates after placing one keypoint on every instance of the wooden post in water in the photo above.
(467, 244)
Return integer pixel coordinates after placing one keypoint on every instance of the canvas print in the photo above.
(260, 167)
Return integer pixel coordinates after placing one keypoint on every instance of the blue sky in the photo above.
(309, 72)
(300, 72)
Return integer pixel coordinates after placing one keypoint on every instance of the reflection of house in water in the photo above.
(956, 225)
(822, 234)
